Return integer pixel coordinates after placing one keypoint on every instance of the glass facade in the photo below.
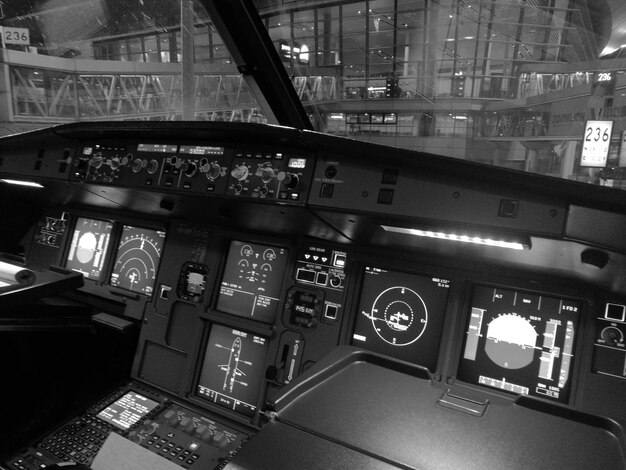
(509, 82)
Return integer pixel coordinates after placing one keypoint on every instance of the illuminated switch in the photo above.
(385, 196)
(339, 259)
(508, 208)
(331, 312)
(322, 279)
(165, 294)
(305, 275)
(390, 176)
(326, 191)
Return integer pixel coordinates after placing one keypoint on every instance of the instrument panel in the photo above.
(262, 309)
(231, 313)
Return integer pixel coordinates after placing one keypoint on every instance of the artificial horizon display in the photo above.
(520, 342)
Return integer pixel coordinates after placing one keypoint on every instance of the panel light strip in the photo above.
(30, 184)
(513, 245)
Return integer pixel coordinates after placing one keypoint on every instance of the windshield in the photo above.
(531, 85)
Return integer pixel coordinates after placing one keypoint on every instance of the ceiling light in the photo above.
(513, 244)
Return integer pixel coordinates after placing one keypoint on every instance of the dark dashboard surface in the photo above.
(247, 254)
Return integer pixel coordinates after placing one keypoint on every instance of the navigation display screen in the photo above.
(520, 342)
(127, 410)
(137, 259)
(252, 280)
(401, 315)
(233, 369)
(89, 247)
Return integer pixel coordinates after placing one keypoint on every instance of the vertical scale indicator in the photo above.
(473, 333)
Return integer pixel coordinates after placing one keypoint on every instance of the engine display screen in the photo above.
(137, 260)
(127, 410)
(233, 369)
(252, 280)
(520, 342)
(401, 315)
(89, 247)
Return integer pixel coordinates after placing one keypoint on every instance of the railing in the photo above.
(50, 89)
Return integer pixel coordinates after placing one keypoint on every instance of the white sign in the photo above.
(596, 142)
(15, 36)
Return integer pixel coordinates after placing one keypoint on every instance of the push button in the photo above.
(385, 196)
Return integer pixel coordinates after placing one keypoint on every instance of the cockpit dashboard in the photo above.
(247, 256)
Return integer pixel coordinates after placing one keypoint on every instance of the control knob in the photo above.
(612, 335)
(240, 172)
(335, 281)
(204, 432)
(187, 425)
(220, 440)
(153, 166)
(290, 180)
(176, 162)
(171, 418)
(214, 171)
(96, 161)
(136, 165)
(190, 170)
(267, 174)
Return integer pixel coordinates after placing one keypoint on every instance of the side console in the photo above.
(185, 436)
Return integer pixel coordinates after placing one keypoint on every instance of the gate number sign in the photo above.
(596, 142)
(15, 35)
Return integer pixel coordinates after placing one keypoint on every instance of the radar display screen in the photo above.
(252, 280)
(233, 369)
(137, 259)
(520, 342)
(127, 410)
(89, 247)
(401, 315)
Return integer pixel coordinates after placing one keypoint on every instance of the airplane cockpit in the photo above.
(254, 235)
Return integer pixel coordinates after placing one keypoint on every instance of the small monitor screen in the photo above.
(137, 259)
(127, 410)
(520, 342)
(401, 315)
(233, 369)
(252, 280)
(89, 247)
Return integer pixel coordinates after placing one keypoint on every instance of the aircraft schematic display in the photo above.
(233, 369)
(520, 342)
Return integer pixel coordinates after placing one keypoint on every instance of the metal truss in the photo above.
(49, 95)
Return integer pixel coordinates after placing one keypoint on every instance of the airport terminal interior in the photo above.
(288, 234)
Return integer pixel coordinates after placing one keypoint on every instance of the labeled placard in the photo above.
(596, 142)
(19, 36)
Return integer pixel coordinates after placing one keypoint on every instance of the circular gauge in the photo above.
(247, 251)
(269, 255)
(399, 316)
(137, 260)
(511, 341)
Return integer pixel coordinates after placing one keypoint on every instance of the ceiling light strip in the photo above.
(463, 238)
